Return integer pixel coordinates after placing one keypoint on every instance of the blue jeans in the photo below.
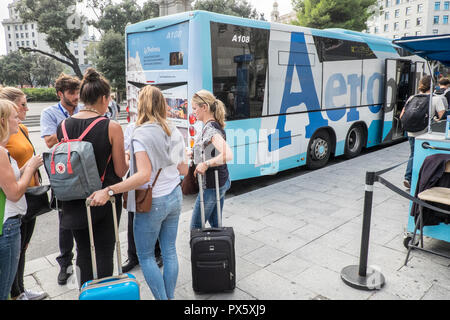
(9, 255)
(161, 222)
(210, 203)
(409, 167)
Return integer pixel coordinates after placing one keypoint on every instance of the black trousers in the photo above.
(65, 245)
(132, 255)
(26, 231)
(104, 242)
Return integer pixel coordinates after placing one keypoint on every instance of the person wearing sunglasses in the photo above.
(211, 152)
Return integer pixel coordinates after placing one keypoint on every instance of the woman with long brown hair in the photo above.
(106, 138)
(157, 159)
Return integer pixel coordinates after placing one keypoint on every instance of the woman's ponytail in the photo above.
(216, 107)
(220, 113)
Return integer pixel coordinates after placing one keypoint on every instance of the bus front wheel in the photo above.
(319, 150)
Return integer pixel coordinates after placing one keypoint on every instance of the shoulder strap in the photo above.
(28, 138)
(89, 128)
(102, 178)
(64, 131)
(85, 132)
(156, 178)
(9, 156)
(34, 151)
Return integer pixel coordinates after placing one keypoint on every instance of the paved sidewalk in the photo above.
(294, 237)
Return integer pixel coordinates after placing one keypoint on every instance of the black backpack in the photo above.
(415, 117)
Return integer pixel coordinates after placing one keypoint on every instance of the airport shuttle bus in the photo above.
(294, 95)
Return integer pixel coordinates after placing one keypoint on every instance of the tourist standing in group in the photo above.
(13, 183)
(133, 260)
(68, 91)
(157, 157)
(211, 152)
(106, 138)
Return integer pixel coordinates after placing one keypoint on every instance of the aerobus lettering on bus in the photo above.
(336, 86)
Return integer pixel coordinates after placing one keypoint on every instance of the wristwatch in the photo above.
(110, 191)
(207, 163)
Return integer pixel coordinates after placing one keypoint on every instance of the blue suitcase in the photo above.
(121, 287)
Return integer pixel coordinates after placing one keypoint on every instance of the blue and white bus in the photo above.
(294, 95)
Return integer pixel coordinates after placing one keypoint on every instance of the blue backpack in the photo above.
(71, 167)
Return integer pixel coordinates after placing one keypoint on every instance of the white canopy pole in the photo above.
(431, 66)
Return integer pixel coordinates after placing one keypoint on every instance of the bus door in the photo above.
(399, 84)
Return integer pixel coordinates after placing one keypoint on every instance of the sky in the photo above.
(265, 6)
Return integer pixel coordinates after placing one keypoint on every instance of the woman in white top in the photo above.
(155, 144)
(13, 183)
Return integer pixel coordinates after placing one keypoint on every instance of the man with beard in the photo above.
(68, 91)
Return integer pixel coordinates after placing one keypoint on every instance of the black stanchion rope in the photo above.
(404, 194)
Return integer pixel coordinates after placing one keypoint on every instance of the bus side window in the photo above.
(332, 49)
(240, 62)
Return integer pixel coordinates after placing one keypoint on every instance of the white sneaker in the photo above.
(407, 184)
(31, 295)
(22, 296)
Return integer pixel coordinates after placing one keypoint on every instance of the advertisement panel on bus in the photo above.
(160, 58)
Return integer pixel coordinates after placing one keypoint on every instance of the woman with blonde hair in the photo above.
(21, 149)
(157, 159)
(211, 153)
(13, 183)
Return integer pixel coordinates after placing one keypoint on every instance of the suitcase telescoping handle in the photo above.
(91, 237)
(202, 204)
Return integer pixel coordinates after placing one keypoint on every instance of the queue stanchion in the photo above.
(361, 276)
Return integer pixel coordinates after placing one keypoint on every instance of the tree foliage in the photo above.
(14, 69)
(45, 70)
(322, 14)
(240, 8)
(115, 17)
(111, 59)
(30, 69)
(110, 51)
(56, 19)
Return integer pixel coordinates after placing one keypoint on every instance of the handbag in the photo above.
(189, 185)
(143, 197)
(37, 197)
(37, 202)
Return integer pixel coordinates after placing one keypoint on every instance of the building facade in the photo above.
(285, 18)
(167, 7)
(402, 18)
(19, 34)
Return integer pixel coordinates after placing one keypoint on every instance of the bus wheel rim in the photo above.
(320, 149)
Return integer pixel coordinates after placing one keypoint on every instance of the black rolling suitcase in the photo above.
(212, 253)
